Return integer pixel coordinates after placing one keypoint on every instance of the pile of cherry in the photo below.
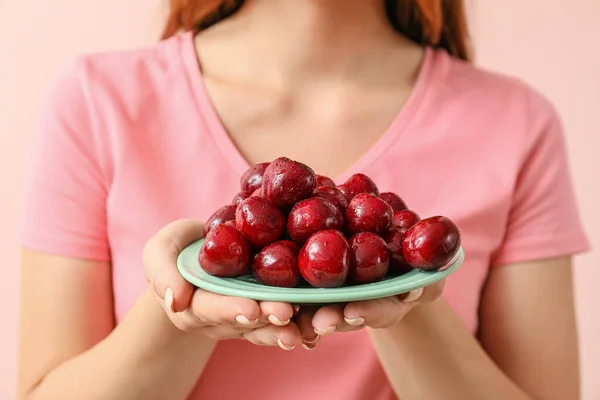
(288, 225)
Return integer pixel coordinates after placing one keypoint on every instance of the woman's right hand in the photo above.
(218, 317)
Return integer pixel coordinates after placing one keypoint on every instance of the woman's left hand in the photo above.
(377, 314)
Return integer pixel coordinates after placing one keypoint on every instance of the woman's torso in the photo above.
(454, 150)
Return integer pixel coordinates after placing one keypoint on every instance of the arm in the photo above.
(70, 347)
(528, 341)
(528, 347)
(69, 350)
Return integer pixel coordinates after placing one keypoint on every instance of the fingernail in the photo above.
(355, 321)
(311, 341)
(413, 296)
(276, 321)
(308, 346)
(283, 346)
(169, 299)
(327, 331)
(245, 321)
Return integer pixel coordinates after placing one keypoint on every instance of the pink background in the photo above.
(549, 43)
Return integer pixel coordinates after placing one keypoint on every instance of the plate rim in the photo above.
(237, 288)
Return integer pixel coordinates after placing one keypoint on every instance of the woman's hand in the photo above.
(380, 313)
(218, 317)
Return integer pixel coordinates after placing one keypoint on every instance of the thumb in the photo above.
(160, 262)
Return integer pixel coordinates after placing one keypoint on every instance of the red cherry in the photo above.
(261, 222)
(431, 243)
(393, 238)
(312, 215)
(332, 194)
(252, 179)
(394, 200)
(356, 184)
(225, 252)
(230, 223)
(367, 213)
(405, 219)
(277, 264)
(370, 258)
(222, 215)
(238, 198)
(257, 193)
(324, 260)
(324, 181)
(286, 182)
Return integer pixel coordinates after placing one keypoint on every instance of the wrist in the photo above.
(149, 333)
(165, 325)
(151, 316)
(419, 316)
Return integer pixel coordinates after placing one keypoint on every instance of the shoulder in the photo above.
(101, 98)
(493, 98)
(462, 77)
(121, 65)
(123, 78)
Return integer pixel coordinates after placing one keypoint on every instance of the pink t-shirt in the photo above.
(129, 141)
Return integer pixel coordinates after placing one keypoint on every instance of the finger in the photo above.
(215, 309)
(279, 314)
(379, 313)
(223, 332)
(160, 261)
(328, 319)
(333, 315)
(304, 320)
(286, 337)
(424, 295)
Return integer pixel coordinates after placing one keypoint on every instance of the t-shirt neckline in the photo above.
(218, 132)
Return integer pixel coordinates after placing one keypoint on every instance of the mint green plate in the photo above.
(246, 286)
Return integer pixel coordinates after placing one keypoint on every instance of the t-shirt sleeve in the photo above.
(64, 210)
(544, 221)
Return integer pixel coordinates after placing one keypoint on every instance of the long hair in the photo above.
(436, 23)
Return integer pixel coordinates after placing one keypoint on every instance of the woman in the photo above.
(131, 141)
